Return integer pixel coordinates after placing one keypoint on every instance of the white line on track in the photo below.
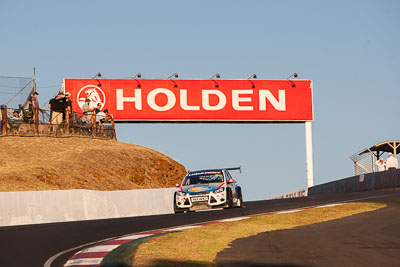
(184, 228)
(91, 261)
(102, 248)
(53, 258)
(130, 237)
(288, 211)
(234, 219)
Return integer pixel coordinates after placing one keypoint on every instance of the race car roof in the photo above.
(204, 171)
(216, 170)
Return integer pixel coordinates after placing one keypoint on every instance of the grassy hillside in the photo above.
(41, 163)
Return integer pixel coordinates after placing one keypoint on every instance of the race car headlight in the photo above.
(181, 194)
(219, 190)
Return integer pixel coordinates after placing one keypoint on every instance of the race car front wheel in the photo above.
(239, 201)
(176, 209)
(229, 199)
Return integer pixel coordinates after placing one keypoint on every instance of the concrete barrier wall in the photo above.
(30, 207)
(364, 182)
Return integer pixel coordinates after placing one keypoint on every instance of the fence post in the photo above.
(67, 121)
(4, 119)
(36, 120)
(94, 128)
(113, 129)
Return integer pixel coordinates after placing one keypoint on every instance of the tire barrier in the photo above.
(363, 182)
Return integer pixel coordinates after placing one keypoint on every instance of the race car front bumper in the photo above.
(200, 201)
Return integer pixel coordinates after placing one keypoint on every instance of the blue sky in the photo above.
(348, 48)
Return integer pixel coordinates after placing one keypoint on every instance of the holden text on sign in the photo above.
(237, 99)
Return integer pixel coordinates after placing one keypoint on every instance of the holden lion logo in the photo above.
(92, 92)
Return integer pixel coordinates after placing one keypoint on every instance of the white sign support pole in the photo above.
(309, 155)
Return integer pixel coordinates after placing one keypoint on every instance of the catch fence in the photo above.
(37, 122)
(363, 163)
(14, 91)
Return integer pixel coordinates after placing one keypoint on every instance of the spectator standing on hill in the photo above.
(86, 108)
(99, 120)
(380, 164)
(58, 106)
(35, 100)
(391, 162)
(30, 102)
(85, 118)
(108, 116)
(68, 103)
(51, 102)
(100, 116)
(98, 109)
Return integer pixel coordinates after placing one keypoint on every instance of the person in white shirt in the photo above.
(380, 164)
(391, 162)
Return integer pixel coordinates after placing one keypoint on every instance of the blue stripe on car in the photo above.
(195, 189)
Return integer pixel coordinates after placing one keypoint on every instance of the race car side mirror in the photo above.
(231, 181)
(178, 185)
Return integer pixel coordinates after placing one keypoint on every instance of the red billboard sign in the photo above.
(167, 100)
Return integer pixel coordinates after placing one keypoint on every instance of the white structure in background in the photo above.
(365, 160)
(309, 155)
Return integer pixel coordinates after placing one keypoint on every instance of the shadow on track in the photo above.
(203, 264)
(366, 239)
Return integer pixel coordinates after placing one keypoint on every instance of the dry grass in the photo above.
(45, 163)
(200, 246)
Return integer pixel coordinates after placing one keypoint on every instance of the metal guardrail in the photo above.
(37, 122)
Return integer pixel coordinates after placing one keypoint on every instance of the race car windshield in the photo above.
(203, 179)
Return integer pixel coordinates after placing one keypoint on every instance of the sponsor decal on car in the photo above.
(200, 189)
(200, 173)
(195, 189)
(198, 199)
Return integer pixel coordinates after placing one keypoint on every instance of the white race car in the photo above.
(207, 189)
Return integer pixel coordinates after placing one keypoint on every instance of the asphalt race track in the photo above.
(33, 245)
(366, 239)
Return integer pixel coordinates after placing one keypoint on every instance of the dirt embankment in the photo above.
(41, 163)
